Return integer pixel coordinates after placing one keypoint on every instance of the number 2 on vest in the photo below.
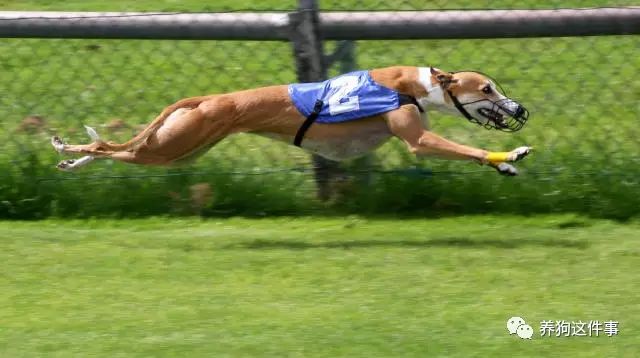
(340, 101)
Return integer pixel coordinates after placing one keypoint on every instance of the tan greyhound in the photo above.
(341, 118)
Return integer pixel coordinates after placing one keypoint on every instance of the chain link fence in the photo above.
(289, 5)
(581, 92)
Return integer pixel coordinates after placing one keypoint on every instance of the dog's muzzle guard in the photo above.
(493, 117)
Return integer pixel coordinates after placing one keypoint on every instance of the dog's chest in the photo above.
(346, 148)
(342, 145)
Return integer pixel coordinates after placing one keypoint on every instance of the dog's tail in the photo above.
(190, 103)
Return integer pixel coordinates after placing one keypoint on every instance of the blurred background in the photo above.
(579, 90)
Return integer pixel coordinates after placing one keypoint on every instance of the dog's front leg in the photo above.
(432, 144)
(405, 123)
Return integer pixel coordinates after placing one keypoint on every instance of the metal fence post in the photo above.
(310, 67)
(345, 56)
(347, 60)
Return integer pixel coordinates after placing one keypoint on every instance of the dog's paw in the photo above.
(57, 144)
(66, 165)
(519, 153)
(506, 169)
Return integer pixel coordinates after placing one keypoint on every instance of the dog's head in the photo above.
(476, 97)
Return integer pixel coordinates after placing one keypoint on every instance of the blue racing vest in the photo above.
(347, 97)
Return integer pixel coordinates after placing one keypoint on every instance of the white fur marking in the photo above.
(435, 95)
(92, 133)
(507, 169)
(71, 164)
(57, 143)
(83, 161)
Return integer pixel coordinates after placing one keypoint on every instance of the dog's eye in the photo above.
(487, 89)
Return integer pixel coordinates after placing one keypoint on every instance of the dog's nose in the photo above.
(519, 112)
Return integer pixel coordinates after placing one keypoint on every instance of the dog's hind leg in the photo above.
(71, 164)
(179, 135)
(97, 148)
(185, 134)
(101, 148)
(94, 149)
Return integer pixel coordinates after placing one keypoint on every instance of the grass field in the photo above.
(315, 287)
(583, 123)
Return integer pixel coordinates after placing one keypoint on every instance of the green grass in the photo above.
(314, 287)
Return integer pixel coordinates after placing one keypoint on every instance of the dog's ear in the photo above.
(444, 78)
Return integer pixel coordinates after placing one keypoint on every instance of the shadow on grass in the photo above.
(460, 242)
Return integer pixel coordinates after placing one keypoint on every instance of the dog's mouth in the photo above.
(505, 114)
(495, 117)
